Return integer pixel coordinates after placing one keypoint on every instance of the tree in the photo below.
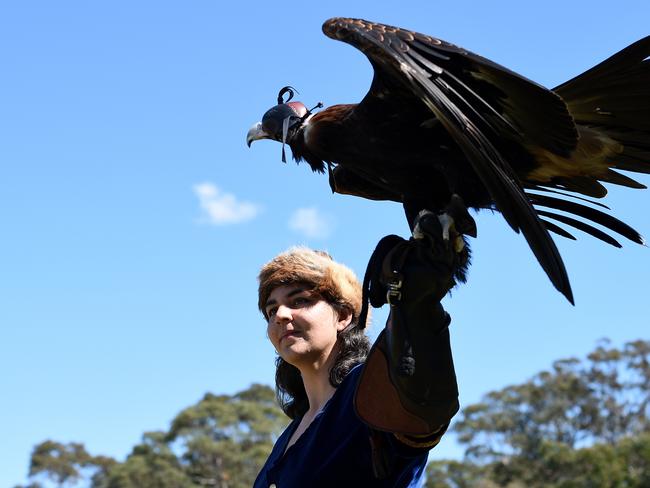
(151, 464)
(225, 440)
(220, 442)
(582, 423)
(64, 463)
(458, 474)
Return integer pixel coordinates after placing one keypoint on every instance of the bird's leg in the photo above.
(448, 229)
(462, 220)
(446, 224)
(412, 208)
(454, 223)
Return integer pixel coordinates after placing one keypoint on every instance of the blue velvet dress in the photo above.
(335, 451)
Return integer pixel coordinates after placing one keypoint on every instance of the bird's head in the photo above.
(282, 121)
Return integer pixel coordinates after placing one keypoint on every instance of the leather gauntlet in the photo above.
(408, 386)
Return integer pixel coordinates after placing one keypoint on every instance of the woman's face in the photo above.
(302, 326)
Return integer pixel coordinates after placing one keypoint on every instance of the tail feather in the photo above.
(625, 69)
(613, 97)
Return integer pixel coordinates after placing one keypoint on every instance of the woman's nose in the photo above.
(283, 313)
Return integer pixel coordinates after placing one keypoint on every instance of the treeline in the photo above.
(220, 442)
(583, 423)
(580, 424)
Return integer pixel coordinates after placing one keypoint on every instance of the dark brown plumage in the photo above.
(439, 120)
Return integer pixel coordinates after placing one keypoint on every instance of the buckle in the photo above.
(394, 294)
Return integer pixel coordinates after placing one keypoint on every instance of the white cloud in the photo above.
(311, 223)
(221, 208)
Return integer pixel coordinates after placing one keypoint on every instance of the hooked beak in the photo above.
(256, 133)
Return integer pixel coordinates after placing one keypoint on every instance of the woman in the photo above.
(353, 426)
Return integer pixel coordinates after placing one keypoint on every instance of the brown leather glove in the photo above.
(408, 386)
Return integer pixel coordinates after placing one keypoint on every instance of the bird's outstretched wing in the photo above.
(480, 104)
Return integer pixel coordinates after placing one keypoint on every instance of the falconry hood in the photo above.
(281, 121)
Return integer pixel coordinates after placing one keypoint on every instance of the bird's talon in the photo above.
(459, 244)
(418, 233)
(447, 224)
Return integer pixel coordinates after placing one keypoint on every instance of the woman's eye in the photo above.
(301, 301)
(271, 311)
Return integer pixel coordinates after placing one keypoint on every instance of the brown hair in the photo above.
(337, 285)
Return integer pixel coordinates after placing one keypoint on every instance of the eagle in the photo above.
(440, 121)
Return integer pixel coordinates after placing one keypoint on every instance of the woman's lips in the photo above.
(287, 335)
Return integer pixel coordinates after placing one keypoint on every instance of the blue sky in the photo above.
(134, 218)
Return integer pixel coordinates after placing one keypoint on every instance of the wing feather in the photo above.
(443, 83)
(557, 229)
(588, 213)
(597, 233)
(570, 195)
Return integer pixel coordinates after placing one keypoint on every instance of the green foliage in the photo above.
(225, 440)
(151, 464)
(457, 474)
(581, 424)
(221, 442)
(64, 464)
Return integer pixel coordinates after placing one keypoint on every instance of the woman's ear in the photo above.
(345, 319)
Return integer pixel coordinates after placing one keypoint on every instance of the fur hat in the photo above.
(335, 283)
